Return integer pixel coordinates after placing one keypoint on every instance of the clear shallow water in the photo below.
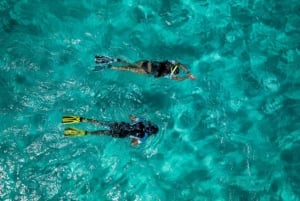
(233, 134)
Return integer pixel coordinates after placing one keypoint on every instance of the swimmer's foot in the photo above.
(74, 132)
(71, 119)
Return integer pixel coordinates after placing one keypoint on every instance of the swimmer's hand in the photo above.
(132, 117)
(192, 77)
(134, 142)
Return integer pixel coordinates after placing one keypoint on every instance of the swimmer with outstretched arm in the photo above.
(169, 69)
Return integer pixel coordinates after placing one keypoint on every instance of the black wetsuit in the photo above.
(122, 130)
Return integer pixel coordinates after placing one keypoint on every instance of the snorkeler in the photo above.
(169, 69)
(138, 129)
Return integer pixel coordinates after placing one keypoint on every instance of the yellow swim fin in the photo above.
(73, 132)
(71, 119)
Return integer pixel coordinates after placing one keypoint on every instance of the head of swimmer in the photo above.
(151, 129)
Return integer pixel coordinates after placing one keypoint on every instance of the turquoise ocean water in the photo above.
(232, 134)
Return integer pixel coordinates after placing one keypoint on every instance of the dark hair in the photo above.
(165, 68)
(151, 129)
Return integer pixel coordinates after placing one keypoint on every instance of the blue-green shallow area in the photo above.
(232, 134)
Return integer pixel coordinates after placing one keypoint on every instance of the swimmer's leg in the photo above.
(71, 119)
(135, 68)
(99, 132)
(93, 121)
(108, 62)
(75, 132)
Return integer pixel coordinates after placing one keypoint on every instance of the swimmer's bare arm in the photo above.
(189, 75)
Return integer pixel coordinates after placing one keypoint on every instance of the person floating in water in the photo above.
(170, 69)
(138, 129)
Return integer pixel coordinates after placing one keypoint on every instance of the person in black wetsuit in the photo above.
(139, 130)
(169, 68)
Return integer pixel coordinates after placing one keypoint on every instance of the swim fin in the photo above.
(72, 119)
(99, 59)
(73, 132)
